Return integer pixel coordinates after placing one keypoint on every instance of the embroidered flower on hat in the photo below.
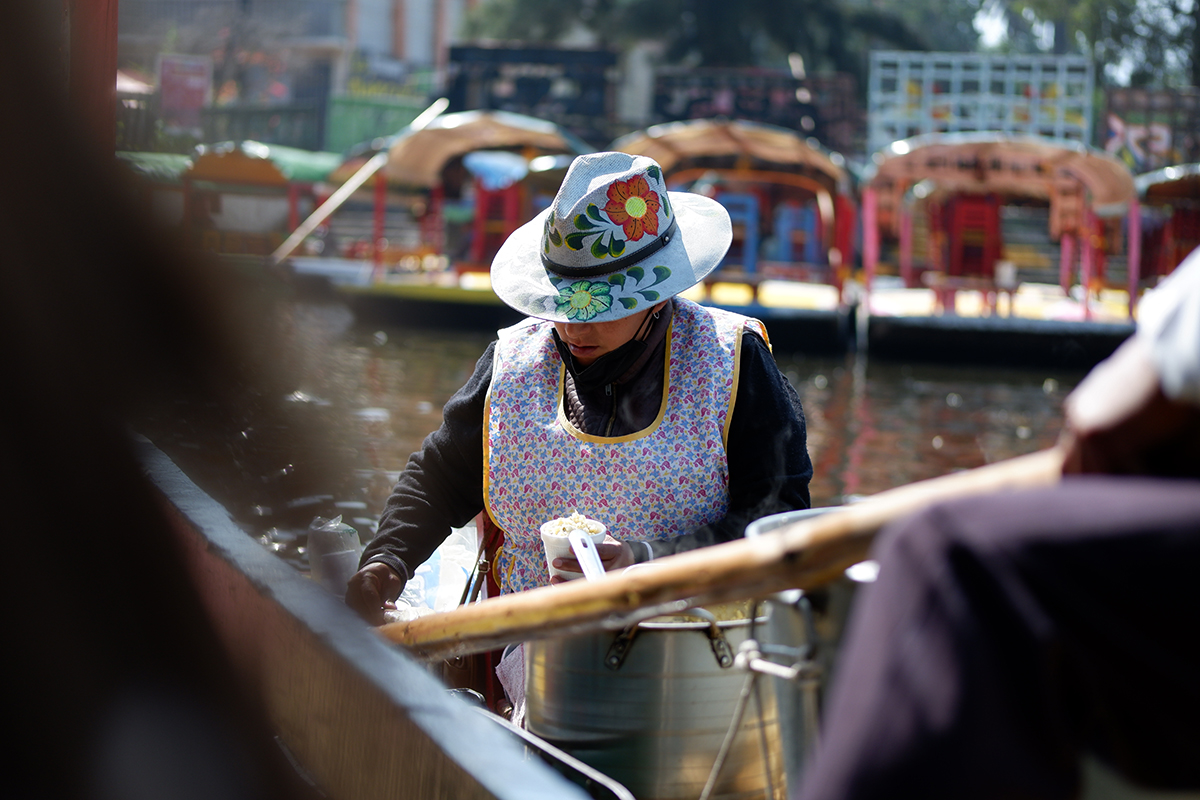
(583, 300)
(577, 298)
(632, 205)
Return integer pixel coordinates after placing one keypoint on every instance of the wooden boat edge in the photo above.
(362, 718)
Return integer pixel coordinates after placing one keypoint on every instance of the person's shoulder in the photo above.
(755, 350)
(753, 337)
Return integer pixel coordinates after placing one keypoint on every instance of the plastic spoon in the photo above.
(585, 553)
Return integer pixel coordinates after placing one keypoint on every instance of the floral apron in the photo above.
(657, 483)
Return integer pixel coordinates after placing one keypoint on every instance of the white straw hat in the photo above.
(612, 243)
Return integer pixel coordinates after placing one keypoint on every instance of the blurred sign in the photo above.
(572, 87)
(759, 95)
(1153, 128)
(821, 106)
(372, 75)
(1142, 147)
(185, 87)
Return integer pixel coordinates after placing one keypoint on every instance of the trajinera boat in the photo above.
(1170, 199)
(415, 245)
(991, 247)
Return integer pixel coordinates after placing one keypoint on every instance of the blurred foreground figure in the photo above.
(115, 684)
(1009, 635)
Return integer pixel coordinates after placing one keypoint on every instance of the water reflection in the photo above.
(877, 425)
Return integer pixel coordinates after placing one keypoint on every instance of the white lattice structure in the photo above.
(911, 93)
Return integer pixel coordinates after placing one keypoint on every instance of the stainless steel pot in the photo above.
(803, 636)
(651, 706)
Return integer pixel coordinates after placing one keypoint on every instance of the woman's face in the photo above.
(588, 341)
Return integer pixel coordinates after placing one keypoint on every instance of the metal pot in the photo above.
(803, 635)
(651, 705)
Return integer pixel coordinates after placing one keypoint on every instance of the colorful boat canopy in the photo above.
(1023, 166)
(416, 158)
(678, 145)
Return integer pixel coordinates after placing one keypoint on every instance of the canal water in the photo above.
(369, 393)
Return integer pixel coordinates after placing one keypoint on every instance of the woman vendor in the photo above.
(665, 420)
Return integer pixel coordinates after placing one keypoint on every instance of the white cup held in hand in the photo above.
(557, 543)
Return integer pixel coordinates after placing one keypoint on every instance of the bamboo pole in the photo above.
(364, 173)
(803, 555)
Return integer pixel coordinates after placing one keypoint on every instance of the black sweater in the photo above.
(442, 485)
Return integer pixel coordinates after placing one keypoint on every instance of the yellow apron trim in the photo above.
(487, 441)
(662, 404)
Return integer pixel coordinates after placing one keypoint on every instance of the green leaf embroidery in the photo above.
(660, 275)
(655, 173)
(593, 211)
(618, 279)
(598, 248)
(637, 273)
(666, 204)
(575, 240)
(628, 302)
(555, 237)
(649, 295)
(583, 223)
(617, 247)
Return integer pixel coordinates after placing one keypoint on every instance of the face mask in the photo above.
(607, 368)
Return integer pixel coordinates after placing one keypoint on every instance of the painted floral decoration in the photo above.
(552, 236)
(631, 212)
(583, 300)
(632, 205)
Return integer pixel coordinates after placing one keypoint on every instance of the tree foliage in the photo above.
(1142, 42)
(830, 36)
(947, 25)
(1146, 42)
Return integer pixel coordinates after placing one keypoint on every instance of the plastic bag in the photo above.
(333, 552)
(437, 585)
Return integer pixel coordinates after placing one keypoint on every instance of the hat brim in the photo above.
(522, 282)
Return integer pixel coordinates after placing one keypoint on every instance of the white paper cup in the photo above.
(560, 547)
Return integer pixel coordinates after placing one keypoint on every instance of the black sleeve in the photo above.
(442, 485)
(769, 468)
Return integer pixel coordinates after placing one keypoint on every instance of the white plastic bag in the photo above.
(333, 552)
(437, 585)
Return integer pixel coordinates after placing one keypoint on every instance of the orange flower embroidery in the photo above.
(632, 205)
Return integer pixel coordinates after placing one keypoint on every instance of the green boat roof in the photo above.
(303, 166)
(156, 167)
(293, 163)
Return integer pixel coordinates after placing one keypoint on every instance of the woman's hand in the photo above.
(373, 589)
(614, 555)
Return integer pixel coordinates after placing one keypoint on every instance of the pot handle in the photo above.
(618, 651)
